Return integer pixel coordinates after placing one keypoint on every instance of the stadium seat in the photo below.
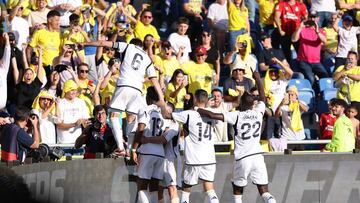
(322, 107)
(329, 94)
(326, 83)
(308, 96)
(301, 84)
(297, 75)
(221, 88)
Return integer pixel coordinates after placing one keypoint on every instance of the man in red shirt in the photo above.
(288, 15)
(310, 38)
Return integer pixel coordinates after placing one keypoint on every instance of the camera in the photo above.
(72, 46)
(34, 59)
(243, 45)
(39, 154)
(60, 68)
(95, 125)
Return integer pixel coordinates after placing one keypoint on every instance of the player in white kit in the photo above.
(170, 139)
(151, 159)
(127, 96)
(249, 160)
(200, 162)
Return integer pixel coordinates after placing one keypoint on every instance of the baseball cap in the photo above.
(313, 14)
(347, 17)
(239, 68)
(200, 50)
(275, 66)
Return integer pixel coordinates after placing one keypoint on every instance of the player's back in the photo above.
(152, 118)
(135, 65)
(199, 144)
(172, 135)
(247, 130)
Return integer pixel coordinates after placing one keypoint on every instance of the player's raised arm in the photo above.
(259, 85)
(97, 44)
(211, 115)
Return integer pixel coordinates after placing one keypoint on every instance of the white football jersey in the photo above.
(247, 130)
(152, 118)
(199, 144)
(135, 66)
(172, 135)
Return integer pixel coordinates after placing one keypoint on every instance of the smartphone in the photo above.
(119, 4)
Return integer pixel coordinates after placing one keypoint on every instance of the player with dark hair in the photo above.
(249, 160)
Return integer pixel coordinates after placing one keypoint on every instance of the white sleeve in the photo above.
(150, 71)
(231, 117)
(142, 116)
(120, 46)
(180, 117)
(5, 60)
(85, 114)
(357, 30)
(172, 131)
(260, 107)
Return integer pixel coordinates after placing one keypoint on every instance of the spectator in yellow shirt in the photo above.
(176, 92)
(238, 20)
(49, 39)
(144, 27)
(266, 12)
(199, 72)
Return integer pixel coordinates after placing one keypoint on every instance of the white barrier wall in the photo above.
(293, 179)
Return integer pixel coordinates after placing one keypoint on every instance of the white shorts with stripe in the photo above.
(252, 165)
(150, 167)
(192, 173)
(128, 99)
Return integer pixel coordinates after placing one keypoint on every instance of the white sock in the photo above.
(175, 200)
(143, 196)
(185, 196)
(238, 198)
(213, 198)
(268, 198)
(154, 197)
(117, 131)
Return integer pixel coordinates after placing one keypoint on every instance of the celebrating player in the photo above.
(200, 162)
(127, 96)
(248, 152)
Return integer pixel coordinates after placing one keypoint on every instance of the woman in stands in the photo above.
(176, 92)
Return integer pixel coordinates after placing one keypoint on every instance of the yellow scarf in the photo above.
(245, 38)
(91, 18)
(43, 94)
(267, 86)
(88, 100)
(294, 107)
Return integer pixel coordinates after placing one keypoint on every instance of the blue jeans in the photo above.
(233, 35)
(250, 5)
(311, 69)
(324, 18)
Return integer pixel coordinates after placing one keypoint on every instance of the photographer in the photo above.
(15, 140)
(97, 137)
(310, 38)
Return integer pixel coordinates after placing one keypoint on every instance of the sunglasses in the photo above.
(84, 71)
(148, 17)
(21, 8)
(205, 35)
(199, 55)
(47, 99)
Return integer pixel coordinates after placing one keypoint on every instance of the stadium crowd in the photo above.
(69, 69)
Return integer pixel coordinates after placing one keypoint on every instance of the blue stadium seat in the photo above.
(298, 75)
(308, 96)
(221, 88)
(326, 83)
(301, 84)
(329, 94)
(322, 107)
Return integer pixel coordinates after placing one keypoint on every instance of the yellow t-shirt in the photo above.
(141, 31)
(354, 86)
(26, 4)
(331, 39)
(49, 42)
(266, 11)
(178, 101)
(75, 38)
(199, 76)
(237, 18)
(148, 83)
(195, 5)
(169, 66)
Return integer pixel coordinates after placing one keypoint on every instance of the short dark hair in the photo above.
(201, 96)
(171, 105)
(145, 11)
(246, 101)
(253, 89)
(183, 20)
(98, 108)
(53, 13)
(340, 102)
(136, 42)
(216, 90)
(22, 113)
(151, 95)
(353, 52)
(74, 17)
(352, 106)
(83, 64)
